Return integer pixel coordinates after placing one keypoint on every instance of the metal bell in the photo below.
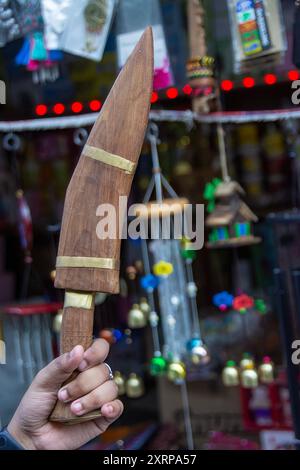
(249, 377)
(144, 306)
(120, 382)
(246, 361)
(134, 386)
(266, 371)
(57, 321)
(136, 317)
(198, 352)
(230, 375)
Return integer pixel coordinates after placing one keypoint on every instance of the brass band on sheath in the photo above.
(86, 262)
(83, 300)
(109, 158)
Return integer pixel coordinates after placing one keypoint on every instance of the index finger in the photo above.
(95, 354)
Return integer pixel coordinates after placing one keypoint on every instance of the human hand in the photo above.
(90, 390)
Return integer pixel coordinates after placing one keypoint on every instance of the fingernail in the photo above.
(63, 394)
(109, 409)
(73, 352)
(82, 365)
(77, 407)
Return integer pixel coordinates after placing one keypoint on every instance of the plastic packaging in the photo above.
(87, 28)
(132, 18)
(257, 31)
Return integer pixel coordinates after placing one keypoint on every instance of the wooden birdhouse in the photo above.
(230, 223)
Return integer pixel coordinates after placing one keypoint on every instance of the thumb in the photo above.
(59, 370)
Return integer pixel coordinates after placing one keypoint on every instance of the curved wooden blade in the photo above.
(119, 130)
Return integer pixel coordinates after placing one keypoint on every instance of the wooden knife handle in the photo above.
(77, 328)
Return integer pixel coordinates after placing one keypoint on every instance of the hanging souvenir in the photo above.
(200, 67)
(132, 17)
(266, 371)
(257, 32)
(56, 14)
(9, 26)
(134, 386)
(120, 382)
(230, 220)
(230, 374)
(34, 54)
(87, 28)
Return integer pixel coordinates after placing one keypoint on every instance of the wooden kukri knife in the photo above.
(86, 264)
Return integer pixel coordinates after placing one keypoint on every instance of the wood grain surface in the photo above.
(119, 129)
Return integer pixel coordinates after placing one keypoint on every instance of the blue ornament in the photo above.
(117, 334)
(223, 300)
(149, 282)
(193, 343)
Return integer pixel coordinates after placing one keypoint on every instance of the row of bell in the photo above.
(247, 376)
(133, 386)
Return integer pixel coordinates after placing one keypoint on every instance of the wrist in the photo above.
(20, 437)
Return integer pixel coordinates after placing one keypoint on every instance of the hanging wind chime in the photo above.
(168, 272)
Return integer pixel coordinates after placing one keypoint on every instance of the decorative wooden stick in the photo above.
(200, 66)
(85, 264)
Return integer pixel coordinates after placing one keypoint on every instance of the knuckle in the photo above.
(100, 347)
(114, 389)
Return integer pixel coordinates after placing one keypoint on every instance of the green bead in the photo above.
(158, 365)
(189, 254)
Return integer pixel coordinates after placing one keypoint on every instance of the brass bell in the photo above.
(57, 321)
(176, 371)
(136, 317)
(199, 354)
(52, 275)
(249, 377)
(266, 371)
(144, 306)
(134, 386)
(120, 382)
(246, 361)
(230, 374)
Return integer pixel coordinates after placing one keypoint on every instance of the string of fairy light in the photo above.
(170, 93)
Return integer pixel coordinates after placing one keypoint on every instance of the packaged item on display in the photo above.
(87, 28)
(56, 14)
(132, 17)
(260, 406)
(257, 31)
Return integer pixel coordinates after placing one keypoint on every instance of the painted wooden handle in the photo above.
(77, 328)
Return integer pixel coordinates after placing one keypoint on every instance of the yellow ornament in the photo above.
(136, 317)
(52, 275)
(230, 375)
(176, 371)
(266, 371)
(163, 268)
(134, 386)
(120, 382)
(57, 321)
